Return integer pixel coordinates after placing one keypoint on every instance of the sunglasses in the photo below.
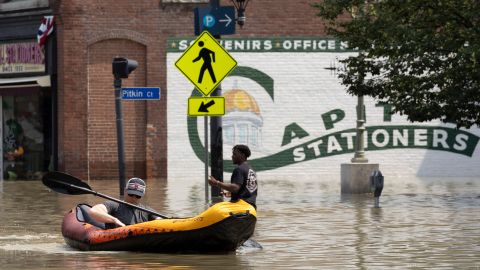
(136, 196)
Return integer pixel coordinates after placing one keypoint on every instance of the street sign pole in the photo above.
(216, 147)
(206, 63)
(205, 126)
(216, 139)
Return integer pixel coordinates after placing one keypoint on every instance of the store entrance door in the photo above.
(24, 118)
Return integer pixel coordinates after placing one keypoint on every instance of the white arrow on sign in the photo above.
(228, 20)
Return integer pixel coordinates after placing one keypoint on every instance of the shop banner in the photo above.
(21, 57)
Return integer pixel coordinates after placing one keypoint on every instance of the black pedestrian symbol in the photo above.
(207, 62)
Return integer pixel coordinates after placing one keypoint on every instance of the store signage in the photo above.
(21, 57)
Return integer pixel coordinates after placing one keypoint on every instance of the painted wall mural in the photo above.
(285, 101)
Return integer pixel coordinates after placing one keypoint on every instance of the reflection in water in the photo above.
(421, 223)
(152, 261)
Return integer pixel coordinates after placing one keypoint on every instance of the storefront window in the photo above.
(23, 137)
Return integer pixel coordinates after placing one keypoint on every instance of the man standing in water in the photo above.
(207, 62)
(244, 179)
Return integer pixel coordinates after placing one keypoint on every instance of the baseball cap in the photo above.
(136, 186)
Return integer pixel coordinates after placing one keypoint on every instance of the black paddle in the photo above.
(68, 184)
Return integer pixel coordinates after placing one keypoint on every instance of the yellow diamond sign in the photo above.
(206, 63)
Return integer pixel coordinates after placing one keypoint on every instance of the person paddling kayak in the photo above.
(114, 214)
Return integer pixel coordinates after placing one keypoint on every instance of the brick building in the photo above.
(88, 35)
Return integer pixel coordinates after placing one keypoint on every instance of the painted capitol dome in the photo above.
(242, 122)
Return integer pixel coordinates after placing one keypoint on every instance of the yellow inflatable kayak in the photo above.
(222, 227)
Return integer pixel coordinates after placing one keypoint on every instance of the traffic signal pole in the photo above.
(120, 140)
(121, 68)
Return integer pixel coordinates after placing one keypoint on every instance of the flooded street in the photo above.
(421, 224)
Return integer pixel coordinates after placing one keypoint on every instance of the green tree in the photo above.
(421, 56)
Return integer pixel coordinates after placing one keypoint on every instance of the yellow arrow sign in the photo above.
(205, 63)
(203, 106)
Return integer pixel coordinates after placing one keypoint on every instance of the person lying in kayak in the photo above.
(114, 214)
(244, 179)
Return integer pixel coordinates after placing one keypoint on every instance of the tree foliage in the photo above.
(421, 56)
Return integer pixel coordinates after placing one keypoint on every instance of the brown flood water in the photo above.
(421, 224)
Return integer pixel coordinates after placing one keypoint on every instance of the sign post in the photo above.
(206, 63)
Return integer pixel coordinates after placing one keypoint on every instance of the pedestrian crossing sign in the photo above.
(205, 63)
(206, 106)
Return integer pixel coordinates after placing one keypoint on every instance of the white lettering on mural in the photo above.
(267, 45)
(289, 44)
(333, 145)
(343, 45)
(420, 137)
(315, 147)
(349, 137)
(298, 154)
(461, 142)
(381, 138)
(298, 44)
(440, 137)
(400, 137)
(375, 138)
(183, 44)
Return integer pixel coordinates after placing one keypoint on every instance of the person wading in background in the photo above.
(244, 179)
